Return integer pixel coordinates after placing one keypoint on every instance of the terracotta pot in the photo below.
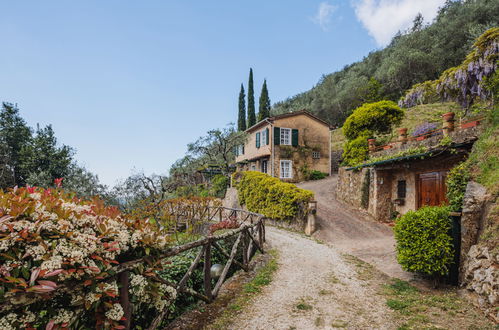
(448, 116)
(470, 124)
(421, 138)
(402, 131)
(371, 140)
(387, 147)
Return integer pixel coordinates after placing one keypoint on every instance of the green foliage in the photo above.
(241, 119)
(423, 241)
(414, 56)
(264, 104)
(408, 152)
(311, 174)
(219, 185)
(456, 182)
(251, 101)
(355, 151)
(372, 118)
(270, 196)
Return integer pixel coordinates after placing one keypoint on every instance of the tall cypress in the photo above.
(241, 120)
(251, 101)
(264, 106)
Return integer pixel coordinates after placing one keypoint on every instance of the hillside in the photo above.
(413, 117)
(417, 55)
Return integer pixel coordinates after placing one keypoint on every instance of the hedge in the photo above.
(423, 241)
(270, 196)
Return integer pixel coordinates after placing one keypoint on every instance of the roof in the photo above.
(270, 120)
(429, 153)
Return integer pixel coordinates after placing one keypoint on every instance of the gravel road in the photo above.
(314, 287)
(353, 232)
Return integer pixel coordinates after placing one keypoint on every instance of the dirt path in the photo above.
(313, 287)
(353, 232)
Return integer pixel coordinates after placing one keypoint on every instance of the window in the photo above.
(253, 167)
(264, 137)
(316, 154)
(240, 150)
(286, 169)
(401, 189)
(264, 166)
(286, 136)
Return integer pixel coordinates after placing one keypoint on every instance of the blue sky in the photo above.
(129, 83)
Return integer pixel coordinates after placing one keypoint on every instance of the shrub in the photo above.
(372, 118)
(219, 185)
(48, 239)
(270, 196)
(316, 175)
(423, 241)
(456, 182)
(355, 151)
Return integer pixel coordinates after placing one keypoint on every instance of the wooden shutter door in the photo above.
(294, 137)
(430, 189)
(277, 136)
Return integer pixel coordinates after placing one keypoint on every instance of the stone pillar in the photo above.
(371, 144)
(312, 214)
(402, 139)
(448, 122)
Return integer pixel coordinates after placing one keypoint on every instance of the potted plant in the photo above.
(448, 116)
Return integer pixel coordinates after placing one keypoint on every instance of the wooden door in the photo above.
(431, 189)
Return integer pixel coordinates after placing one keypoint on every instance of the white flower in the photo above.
(115, 313)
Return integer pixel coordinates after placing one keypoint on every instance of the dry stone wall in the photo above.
(479, 250)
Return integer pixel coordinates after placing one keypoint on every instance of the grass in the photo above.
(417, 309)
(364, 270)
(250, 290)
(303, 305)
(339, 324)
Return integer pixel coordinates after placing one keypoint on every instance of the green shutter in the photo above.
(266, 136)
(277, 136)
(258, 140)
(294, 137)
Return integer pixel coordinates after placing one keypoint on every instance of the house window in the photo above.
(286, 136)
(286, 169)
(264, 166)
(316, 154)
(240, 150)
(401, 189)
(264, 137)
(253, 167)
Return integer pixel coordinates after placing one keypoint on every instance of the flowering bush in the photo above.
(465, 82)
(230, 223)
(58, 255)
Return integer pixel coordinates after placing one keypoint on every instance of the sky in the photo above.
(128, 84)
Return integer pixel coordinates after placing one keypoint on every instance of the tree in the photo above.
(251, 101)
(241, 121)
(15, 136)
(264, 104)
(217, 147)
(43, 161)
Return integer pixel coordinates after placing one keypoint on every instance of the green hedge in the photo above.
(423, 241)
(270, 196)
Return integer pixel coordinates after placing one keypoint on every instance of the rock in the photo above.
(493, 297)
(484, 254)
(473, 252)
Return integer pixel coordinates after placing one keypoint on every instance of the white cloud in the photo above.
(384, 18)
(323, 16)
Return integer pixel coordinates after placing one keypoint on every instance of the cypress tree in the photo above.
(264, 106)
(241, 120)
(251, 101)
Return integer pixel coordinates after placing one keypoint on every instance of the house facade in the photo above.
(287, 146)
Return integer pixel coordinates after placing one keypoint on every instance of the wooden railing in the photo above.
(249, 234)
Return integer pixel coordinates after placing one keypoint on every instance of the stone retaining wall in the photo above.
(479, 271)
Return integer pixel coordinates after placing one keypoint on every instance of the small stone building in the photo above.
(398, 184)
(287, 146)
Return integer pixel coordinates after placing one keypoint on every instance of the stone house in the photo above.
(402, 180)
(287, 146)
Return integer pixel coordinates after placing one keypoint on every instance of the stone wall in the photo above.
(336, 160)
(479, 271)
(349, 185)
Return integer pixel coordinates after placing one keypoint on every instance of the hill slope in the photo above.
(418, 55)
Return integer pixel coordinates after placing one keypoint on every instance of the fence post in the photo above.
(207, 268)
(124, 279)
(245, 248)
